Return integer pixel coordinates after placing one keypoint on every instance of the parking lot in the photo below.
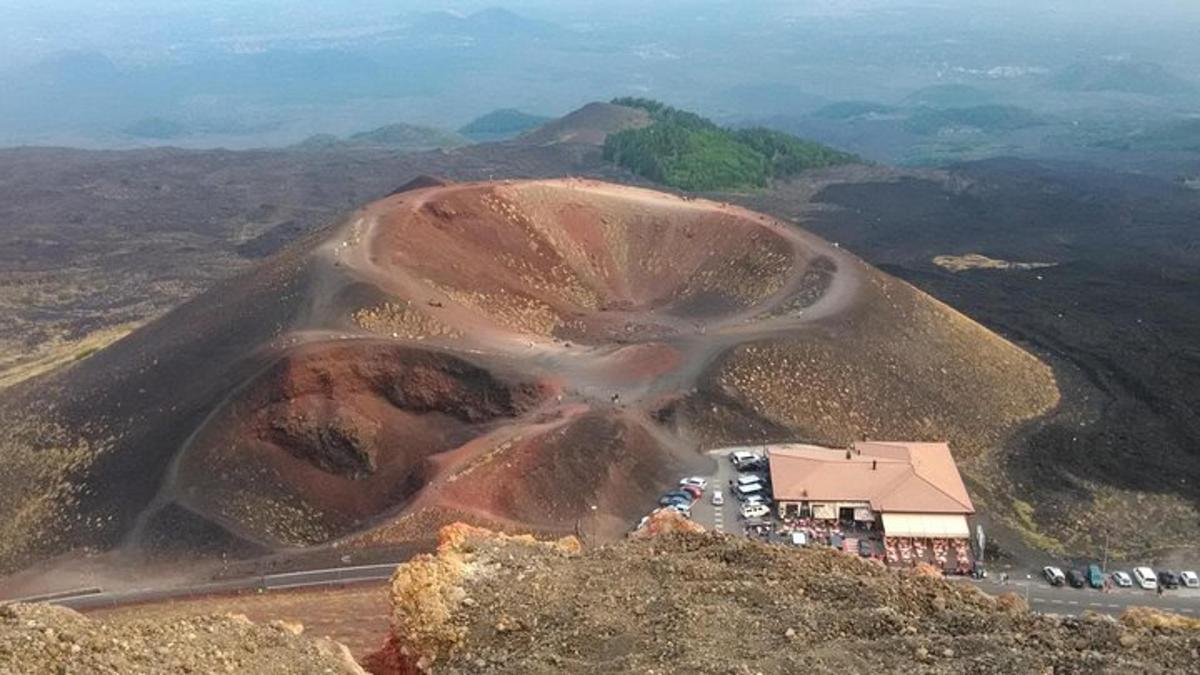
(725, 517)
(1043, 597)
(722, 518)
(1040, 595)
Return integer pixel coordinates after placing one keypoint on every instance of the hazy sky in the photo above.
(32, 28)
(125, 60)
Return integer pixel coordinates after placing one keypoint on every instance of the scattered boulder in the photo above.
(48, 639)
(675, 595)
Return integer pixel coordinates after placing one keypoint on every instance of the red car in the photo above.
(693, 490)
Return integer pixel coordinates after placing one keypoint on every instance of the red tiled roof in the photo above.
(891, 476)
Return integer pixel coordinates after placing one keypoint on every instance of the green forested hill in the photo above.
(686, 151)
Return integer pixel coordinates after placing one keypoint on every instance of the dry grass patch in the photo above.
(18, 366)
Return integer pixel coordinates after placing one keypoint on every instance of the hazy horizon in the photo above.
(269, 73)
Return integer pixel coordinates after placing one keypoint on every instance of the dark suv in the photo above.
(1076, 578)
(1168, 579)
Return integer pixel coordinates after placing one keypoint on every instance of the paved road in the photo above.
(1043, 597)
(94, 598)
(723, 518)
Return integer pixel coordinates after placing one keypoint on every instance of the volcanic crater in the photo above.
(539, 354)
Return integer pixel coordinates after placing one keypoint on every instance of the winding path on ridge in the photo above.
(543, 355)
(612, 379)
(626, 318)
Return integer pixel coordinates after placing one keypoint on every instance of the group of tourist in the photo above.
(945, 554)
(951, 555)
(823, 531)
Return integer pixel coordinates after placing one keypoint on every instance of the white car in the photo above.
(757, 499)
(1144, 576)
(1122, 579)
(740, 457)
(1189, 579)
(717, 498)
(694, 481)
(1054, 575)
(745, 492)
(743, 481)
(755, 511)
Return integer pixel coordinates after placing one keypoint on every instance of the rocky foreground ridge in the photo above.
(37, 639)
(681, 600)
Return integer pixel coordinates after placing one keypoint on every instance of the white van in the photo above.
(744, 491)
(748, 480)
(755, 511)
(1144, 576)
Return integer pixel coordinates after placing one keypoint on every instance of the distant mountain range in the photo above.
(501, 124)
(1115, 75)
(408, 137)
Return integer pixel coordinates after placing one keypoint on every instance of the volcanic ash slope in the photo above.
(683, 601)
(37, 639)
(543, 355)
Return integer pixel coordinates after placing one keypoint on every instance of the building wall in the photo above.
(827, 510)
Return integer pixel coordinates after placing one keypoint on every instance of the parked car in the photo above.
(1122, 579)
(740, 457)
(749, 480)
(756, 464)
(1168, 579)
(692, 490)
(745, 491)
(677, 497)
(747, 461)
(755, 511)
(758, 498)
(1189, 579)
(694, 481)
(1076, 579)
(1054, 575)
(1095, 577)
(1144, 576)
(682, 508)
(717, 498)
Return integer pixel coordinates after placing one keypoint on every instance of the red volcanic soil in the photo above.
(543, 355)
(590, 124)
(606, 461)
(341, 431)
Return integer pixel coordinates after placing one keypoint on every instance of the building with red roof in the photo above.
(910, 489)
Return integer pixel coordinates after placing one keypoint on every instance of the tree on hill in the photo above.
(684, 150)
(788, 155)
(1119, 75)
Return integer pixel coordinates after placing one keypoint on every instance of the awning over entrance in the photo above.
(934, 525)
